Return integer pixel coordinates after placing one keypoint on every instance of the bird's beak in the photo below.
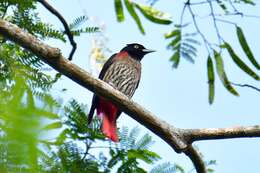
(148, 50)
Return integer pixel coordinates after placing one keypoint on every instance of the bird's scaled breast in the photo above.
(123, 76)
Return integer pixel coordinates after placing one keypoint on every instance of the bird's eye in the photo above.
(136, 46)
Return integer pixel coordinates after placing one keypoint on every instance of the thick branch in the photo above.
(192, 135)
(196, 158)
(65, 25)
(53, 57)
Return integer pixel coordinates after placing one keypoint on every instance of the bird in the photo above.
(122, 71)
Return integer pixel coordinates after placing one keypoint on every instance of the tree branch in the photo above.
(196, 159)
(246, 85)
(65, 25)
(192, 135)
(179, 139)
(53, 57)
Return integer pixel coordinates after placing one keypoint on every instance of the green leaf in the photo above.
(248, 2)
(187, 55)
(245, 46)
(77, 22)
(131, 10)
(189, 47)
(179, 168)
(175, 59)
(30, 99)
(166, 167)
(211, 79)
(46, 114)
(240, 63)
(144, 155)
(175, 42)
(119, 11)
(93, 29)
(222, 5)
(154, 15)
(222, 75)
(211, 162)
(114, 160)
(62, 137)
(144, 142)
(191, 40)
(52, 126)
(210, 170)
(173, 33)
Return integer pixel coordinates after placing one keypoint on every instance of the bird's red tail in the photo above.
(108, 111)
(109, 128)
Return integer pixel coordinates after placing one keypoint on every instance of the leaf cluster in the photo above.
(182, 46)
(148, 12)
(219, 64)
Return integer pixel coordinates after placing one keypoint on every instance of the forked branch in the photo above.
(65, 25)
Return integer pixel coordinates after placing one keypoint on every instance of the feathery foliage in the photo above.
(182, 45)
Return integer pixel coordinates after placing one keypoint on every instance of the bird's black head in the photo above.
(136, 50)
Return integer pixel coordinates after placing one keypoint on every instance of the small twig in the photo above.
(225, 21)
(88, 146)
(227, 15)
(199, 3)
(220, 39)
(182, 13)
(234, 7)
(206, 43)
(236, 14)
(152, 2)
(246, 85)
(65, 25)
(106, 147)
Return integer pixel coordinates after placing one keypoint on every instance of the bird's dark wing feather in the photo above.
(93, 107)
(137, 84)
(95, 98)
(106, 66)
(119, 112)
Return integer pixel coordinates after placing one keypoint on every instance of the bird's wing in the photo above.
(137, 84)
(106, 66)
(95, 98)
(93, 107)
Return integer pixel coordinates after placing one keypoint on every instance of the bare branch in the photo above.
(246, 85)
(196, 158)
(182, 14)
(225, 21)
(220, 39)
(240, 14)
(199, 3)
(65, 25)
(206, 43)
(234, 7)
(193, 135)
